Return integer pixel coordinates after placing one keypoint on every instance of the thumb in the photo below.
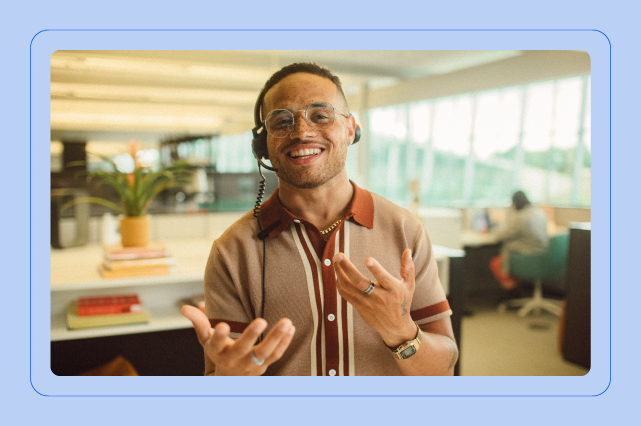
(407, 267)
(200, 322)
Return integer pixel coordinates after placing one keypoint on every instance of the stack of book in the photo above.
(124, 262)
(102, 311)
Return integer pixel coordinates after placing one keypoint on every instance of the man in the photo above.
(351, 286)
(525, 231)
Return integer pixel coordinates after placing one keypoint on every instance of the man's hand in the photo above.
(231, 357)
(387, 308)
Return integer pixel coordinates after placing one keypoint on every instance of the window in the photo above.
(477, 149)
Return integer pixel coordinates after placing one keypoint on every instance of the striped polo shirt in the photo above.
(300, 282)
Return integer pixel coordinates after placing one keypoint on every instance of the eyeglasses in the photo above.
(320, 116)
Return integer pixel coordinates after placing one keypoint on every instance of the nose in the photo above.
(301, 127)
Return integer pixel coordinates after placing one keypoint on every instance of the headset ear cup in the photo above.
(357, 133)
(259, 144)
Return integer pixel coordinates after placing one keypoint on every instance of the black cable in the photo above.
(259, 200)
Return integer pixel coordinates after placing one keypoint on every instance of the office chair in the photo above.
(548, 264)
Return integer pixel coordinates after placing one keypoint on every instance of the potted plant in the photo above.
(136, 190)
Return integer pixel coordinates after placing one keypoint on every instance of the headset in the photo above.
(259, 148)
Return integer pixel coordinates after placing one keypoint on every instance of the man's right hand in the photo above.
(231, 357)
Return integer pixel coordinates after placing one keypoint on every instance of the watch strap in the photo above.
(409, 348)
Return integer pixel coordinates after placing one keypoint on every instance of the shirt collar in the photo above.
(361, 209)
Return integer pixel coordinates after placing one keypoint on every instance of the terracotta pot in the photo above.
(134, 231)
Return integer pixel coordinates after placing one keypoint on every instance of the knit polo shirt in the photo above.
(300, 282)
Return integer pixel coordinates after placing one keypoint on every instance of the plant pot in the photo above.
(134, 231)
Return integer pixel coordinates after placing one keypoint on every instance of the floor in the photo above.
(504, 344)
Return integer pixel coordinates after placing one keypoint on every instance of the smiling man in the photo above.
(330, 279)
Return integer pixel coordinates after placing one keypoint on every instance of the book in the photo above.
(116, 304)
(77, 322)
(155, 249)
(112, 265)
(140, 271)
(196, 300)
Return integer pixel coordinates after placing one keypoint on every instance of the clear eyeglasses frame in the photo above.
(319, 115)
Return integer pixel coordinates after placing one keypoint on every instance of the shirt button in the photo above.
(331, 317)
(332, 372)
(328, 262)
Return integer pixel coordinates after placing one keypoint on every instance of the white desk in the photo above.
(74, 273)
(476, 239)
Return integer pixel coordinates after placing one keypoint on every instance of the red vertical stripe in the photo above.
(319, 307)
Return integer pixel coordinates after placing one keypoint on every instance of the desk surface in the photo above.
(77, 268)
(476, 239)
(74, 273)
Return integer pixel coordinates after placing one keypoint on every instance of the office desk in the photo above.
(74, 274)
(477, 239)
(167, 344)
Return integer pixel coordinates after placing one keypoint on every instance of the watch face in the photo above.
(408, 352)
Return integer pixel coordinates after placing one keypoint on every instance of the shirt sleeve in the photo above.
(429, 303)
(225, 300)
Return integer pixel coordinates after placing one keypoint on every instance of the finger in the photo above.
(351, 276)
(248, 339)
(219, 338)
(383, 277)
(407, 267)
(200, 322)
(282, 345)
(282, 330)
(345, 288)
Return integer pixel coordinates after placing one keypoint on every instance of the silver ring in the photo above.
(371, 288)
(255, 359)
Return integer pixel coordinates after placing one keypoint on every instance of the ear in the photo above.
(351, 129)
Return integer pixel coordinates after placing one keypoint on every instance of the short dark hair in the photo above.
(520, 200)
(296, 67)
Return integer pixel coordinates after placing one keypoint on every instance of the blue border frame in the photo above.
(319, 30)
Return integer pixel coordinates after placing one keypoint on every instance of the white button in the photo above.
(296, 220)
(328, 262)
(332, 372)
(331, 317)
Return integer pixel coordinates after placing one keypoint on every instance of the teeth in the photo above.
(304, 152)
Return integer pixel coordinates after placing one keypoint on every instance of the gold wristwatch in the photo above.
(409, 348)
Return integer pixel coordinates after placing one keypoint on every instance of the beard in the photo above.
(314, 175)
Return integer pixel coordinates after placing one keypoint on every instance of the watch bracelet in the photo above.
(415, 342)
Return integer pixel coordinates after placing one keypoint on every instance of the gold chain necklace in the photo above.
(331, 228)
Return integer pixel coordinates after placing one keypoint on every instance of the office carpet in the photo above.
(504, 344)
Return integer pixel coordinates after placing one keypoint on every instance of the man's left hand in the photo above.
(387, 308)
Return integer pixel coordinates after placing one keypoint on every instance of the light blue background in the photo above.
(24, 24)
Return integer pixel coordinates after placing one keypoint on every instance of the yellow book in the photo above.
(75, 322)
(136, 271)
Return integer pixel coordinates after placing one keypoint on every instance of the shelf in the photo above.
(74, 274)
(161, 319)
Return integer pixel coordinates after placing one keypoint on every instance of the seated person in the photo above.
(525, 231)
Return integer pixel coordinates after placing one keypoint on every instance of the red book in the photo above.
(117, 304)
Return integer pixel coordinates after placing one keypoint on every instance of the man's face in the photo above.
(308, 158)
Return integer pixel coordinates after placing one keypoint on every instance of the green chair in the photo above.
(537, 267)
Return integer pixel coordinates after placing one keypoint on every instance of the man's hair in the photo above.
(520, 200)
(306, 67)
